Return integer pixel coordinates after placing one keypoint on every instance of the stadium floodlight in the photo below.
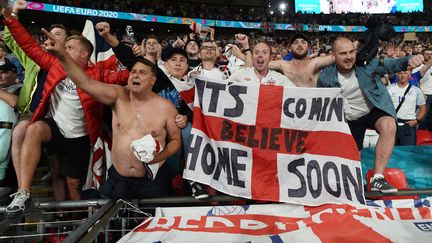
(282, 6)
(271, 12)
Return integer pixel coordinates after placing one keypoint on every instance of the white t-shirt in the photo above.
(413, 98)
(358, 105)
(213, 74)
(426, 82)
(67, 111)
(272, 78)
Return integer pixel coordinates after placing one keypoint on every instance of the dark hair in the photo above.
(151, 37)
(193, 40)
(60, 26)
(146, 62)
(88, 46)
(426, 49)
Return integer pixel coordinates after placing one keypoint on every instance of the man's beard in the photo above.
(298, 56)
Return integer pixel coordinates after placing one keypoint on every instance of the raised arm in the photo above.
(237, 53)
(10, 99)
(104, 30)
(425, 67)
(104, 93)
(321, 62)
(243, 40)
(26, 41)
(276, 65)
(10, 41)
(392, 65)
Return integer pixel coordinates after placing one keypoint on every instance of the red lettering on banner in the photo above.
(189, 223)
(218, 223)
(329, 223)
(363, 212)
(383, 213)
(234, 224)
(162, 223)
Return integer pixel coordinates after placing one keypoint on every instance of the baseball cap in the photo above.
(8, 66)
(298, 35)
(176, 50)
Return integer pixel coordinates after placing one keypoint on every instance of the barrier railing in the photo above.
(193, 201)
(97, 223)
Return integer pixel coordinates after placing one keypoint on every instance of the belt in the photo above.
(6, 125)
(403, 120)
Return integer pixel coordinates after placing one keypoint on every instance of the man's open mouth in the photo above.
(136, 82)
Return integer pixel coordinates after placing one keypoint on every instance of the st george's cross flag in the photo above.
(103, 56)
(273, 143)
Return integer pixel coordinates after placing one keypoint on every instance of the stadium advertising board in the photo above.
(358, 6)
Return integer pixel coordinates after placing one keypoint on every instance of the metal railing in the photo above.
(83, 232)
(88, 229)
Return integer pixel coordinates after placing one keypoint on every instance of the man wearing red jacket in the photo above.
(67, 118)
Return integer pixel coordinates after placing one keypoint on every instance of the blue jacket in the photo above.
(369, 78)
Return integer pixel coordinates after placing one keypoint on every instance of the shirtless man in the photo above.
(302, 71)
(137, 111)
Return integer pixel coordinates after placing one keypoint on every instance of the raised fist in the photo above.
(103, 28)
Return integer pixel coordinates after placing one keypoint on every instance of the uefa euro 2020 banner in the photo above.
(273, 143)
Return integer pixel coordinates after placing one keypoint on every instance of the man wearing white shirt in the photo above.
(369, 103)
(407, 101)
(260, 72)
(208, 67)
(426, 87)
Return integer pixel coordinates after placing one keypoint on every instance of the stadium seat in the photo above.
(424, 137)
(178, 185)
(396, 177)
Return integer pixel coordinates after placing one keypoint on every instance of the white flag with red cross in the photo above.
(273, 143)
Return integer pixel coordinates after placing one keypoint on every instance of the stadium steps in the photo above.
(41, 190)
